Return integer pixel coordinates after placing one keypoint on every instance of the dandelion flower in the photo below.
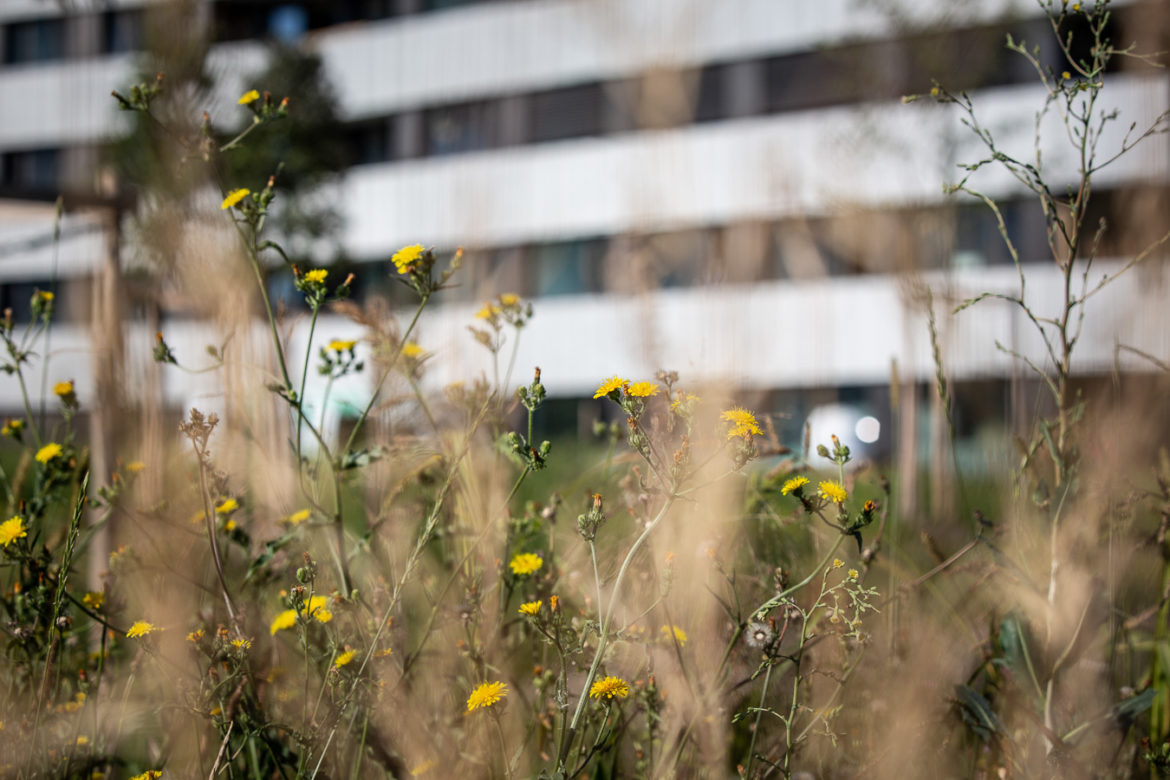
(608, 386)
(63, 388)
(48, 452)
(286, 619)
(674, 633)
(793, 485)
(242, 644)
(195, 636)
(643, 389)
(759, 635)
(82, 741)
(318, 611)
(296, 518)
(226, 506)
(316, 276)
(610, 688)
(12, 529)
(234, 197)
(141, 628)
(405, 258)
(343, 658)
(526, 563)
(487, 312)
(248, 97)
(412, 350)
(833, 491)
(531, 608)
(743, 423)
(486, 695)
(509, 299)
(150, 774)
(337, 345)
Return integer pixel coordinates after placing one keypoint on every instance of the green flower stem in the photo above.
(751, 757)
(570, 734)
(385, 373)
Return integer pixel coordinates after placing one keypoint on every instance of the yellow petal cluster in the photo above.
(486, 695)
(610, 688)
(525, 563)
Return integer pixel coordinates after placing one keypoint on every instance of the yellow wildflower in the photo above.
(234, 197)
(642, 389)
(833, 491)
(343, 658)
(486, 695)
(424, 767)
(792, 485)
(45, 296)
(150, 774)
(226, 506)
(316, 276)
(135, 466)
(248, 97)
(63, 388)
(242, 644)
(12, 529)
(82, 741)
(93, 599)
(675, 633)
(412, 350)
(682, 398)
(12, 427)
(141, 628)
(318, 611)
(531, 608)
(838, 563)
(48, 452)
(743, 423)
(286, 619)
(405, 258)
(337, 345)
(608, 386)
(195, 635)
(610, 688)
(509, 299)
(853, 574)
(525, 563)
(487, 312)
(296, 518)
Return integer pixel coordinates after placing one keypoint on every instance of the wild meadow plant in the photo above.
(413, 595)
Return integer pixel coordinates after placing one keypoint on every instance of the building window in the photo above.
(459, 128)
(35, 41)
(567, 267)
(371, 142)
(35, 170)
(122, 31)
(570, 112)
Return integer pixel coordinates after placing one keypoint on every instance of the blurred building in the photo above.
(732, 189)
